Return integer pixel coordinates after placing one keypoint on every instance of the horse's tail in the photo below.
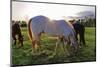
(29, 30)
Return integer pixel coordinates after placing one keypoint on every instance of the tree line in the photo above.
(87, 22)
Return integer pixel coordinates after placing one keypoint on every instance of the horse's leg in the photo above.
(38, 40)
(78, 39)
(15, 42)
(21, 43)
(57, 43)
(82, 39)
(36, 44)
(76, 36)
(33, 46)
(65, 45)
(14, 38)
(20, 39)
(63, 40)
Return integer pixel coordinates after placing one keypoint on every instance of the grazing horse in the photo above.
(16, 31)
(54, 28)
(80, 29)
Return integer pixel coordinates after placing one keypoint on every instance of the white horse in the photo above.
(54, 28)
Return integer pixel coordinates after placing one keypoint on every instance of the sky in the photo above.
(27, 10)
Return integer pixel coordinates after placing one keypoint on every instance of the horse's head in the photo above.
(73, 40)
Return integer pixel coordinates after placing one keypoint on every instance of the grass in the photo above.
(23, 56)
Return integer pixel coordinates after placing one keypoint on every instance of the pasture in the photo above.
(23, 56)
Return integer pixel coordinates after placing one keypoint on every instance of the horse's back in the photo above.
(59, 27)
(55, 27)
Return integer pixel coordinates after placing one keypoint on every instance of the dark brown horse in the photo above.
(80, 30)
(16, 33)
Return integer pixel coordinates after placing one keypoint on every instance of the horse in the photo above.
(80, 30)
(16, 32)
(54, 28)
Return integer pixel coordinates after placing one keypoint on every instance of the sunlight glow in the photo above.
(26, 10)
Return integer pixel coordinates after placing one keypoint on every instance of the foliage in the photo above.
(22, 23)
(88, 22)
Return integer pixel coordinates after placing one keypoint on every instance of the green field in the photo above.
(23, 56)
